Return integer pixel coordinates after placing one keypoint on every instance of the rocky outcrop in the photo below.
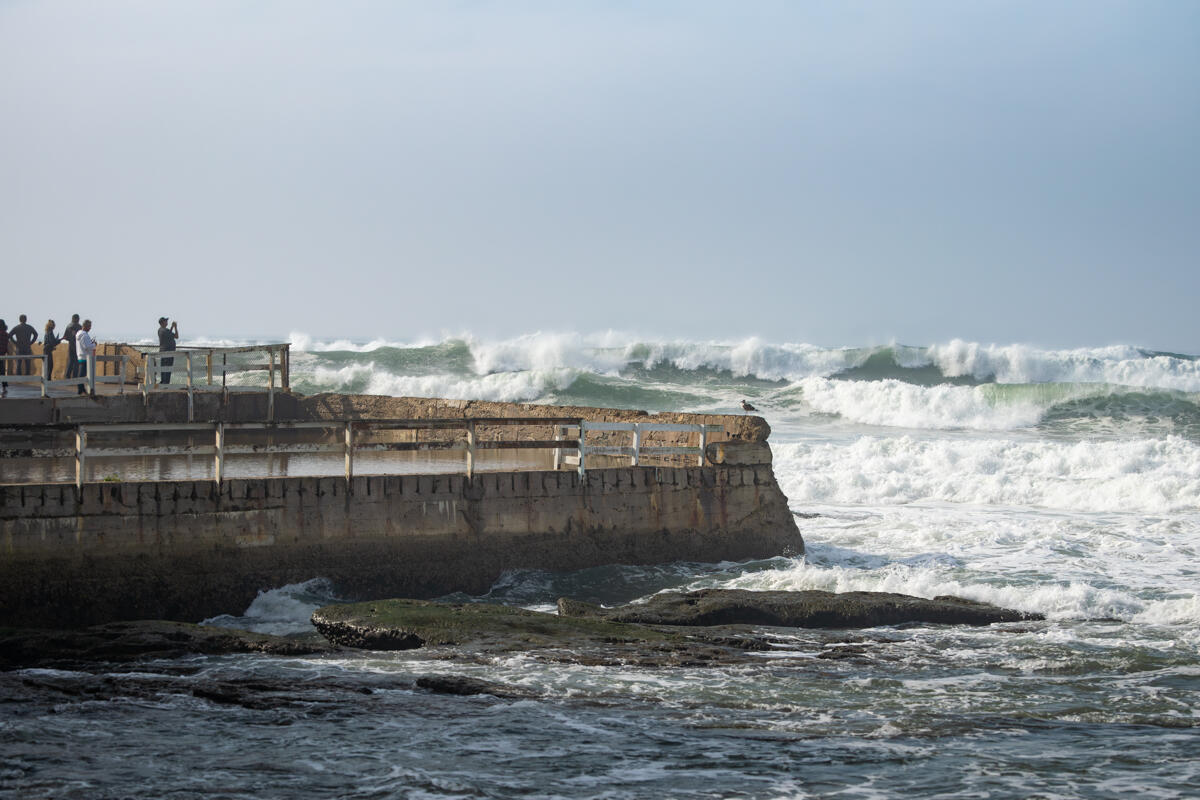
(408, 624)
(128, 641)
(702, 628)
(808, 609)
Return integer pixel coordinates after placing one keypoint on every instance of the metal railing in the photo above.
(88, 381)
(349, 438)
(216, 362)
(636, 449)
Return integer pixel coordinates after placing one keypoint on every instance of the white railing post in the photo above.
(191, 406)
(637, 442)
(45, 369)
(91, 376)
(121, 383)
(80, 446)
(703, 442)
(349, 453)
(558, 435)
(219, 457)
(470, 448)
(271, 387)
(582, 447)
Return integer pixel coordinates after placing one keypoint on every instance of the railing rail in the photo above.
(345, 436)
(89, 381)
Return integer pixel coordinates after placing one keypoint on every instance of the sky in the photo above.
(837, 173)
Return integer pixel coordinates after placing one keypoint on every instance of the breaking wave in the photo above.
(1148, 475)
(958, 385)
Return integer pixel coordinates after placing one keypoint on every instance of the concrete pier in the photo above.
(191, 549)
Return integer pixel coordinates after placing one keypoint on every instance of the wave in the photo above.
(1071, 600)
(611, 353)
(1064, 408)
(1148, 475)
(369, 378)
(282, 611)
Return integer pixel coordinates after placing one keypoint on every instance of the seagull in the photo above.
(747, 407)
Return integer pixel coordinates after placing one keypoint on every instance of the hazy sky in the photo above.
(836, 173)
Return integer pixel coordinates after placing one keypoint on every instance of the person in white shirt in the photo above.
(85, 346)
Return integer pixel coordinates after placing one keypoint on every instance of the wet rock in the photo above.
(808, 609)
(843, 652)
(462, 685)
(407, 624)
(128, 641)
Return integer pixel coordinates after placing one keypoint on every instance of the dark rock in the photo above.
(462, 685)
(808, 609)
(842, 652)
(128, 641)
(687, 629)
(406, 624)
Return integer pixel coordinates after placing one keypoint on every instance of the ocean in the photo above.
(1065, 482)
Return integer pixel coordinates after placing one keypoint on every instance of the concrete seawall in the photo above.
(186, 550)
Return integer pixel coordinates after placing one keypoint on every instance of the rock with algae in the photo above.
(806, 609)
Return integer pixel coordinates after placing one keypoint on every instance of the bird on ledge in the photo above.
(747, 407)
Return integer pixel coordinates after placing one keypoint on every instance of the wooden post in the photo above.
(582, 436)
(271, 388)
(219, 458)
(124, 362)
(208, 364)
(637, 442)
(470, 448)
(45, 363)
(80, 446)
(349, 453)
(285, 361)
(191, 401)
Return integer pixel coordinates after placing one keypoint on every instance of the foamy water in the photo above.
(1062, 482)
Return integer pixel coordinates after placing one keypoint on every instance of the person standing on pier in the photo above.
(3, 352)
(23, 336)
(166, 343)
(49, 342)
(85, 346)
(72, 358)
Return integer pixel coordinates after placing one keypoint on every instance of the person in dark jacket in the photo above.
(23, 335)
(49, 342)
(3, 352)
(69, 335)
(166, 344)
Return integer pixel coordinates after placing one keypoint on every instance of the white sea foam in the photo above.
(609, 351)
(304, 343)
(283, 610)
(1148, 475)
(509, 387)
(1057, 600)
(899, 404)
(1122, 365)
(1172, 611)
(601, 353)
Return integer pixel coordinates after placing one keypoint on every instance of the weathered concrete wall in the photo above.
(252, 407)
(186, 551)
